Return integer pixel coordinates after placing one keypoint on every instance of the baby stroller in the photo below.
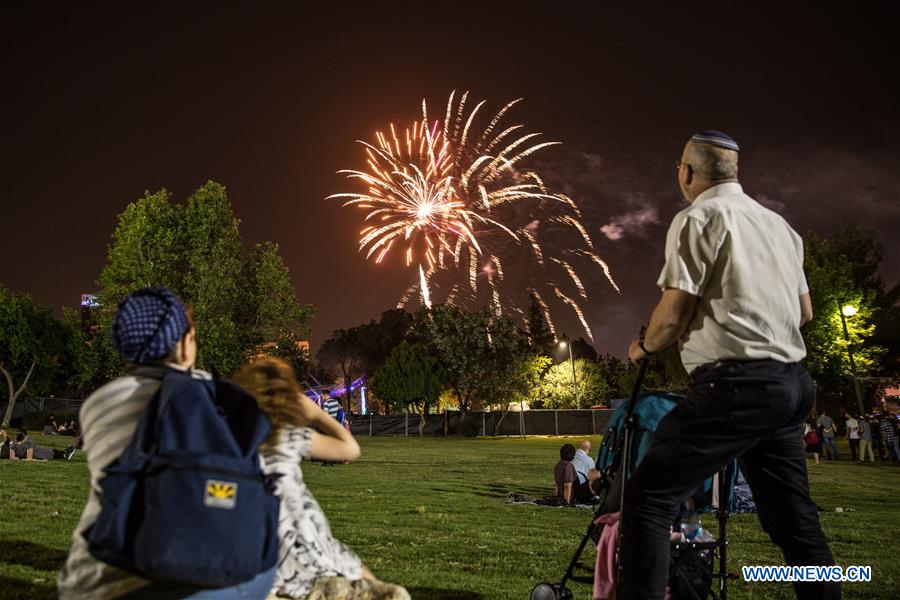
(693, 573)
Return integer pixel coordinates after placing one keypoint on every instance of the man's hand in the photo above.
(635, 353)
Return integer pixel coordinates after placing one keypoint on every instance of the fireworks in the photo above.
(437, 190)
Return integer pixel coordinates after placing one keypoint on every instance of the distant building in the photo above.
(89, 304)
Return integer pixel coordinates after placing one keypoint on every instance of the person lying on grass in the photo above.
(311, 562)
(24, 448)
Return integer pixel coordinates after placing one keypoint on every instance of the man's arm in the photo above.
(567, 492)
(670, 318)
(806, 311)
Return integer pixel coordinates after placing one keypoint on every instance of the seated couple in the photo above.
(575, 474)
(153, 327)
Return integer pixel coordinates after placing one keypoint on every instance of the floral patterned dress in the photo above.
(307, 550)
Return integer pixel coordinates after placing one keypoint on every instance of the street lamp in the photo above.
(564, 345)
(848, 310)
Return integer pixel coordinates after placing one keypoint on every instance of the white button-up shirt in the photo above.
(745, 264)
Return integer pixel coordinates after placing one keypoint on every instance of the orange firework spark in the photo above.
(432, 186)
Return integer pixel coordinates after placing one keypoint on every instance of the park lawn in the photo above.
(430, 514)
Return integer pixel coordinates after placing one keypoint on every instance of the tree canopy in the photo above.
(242, 301)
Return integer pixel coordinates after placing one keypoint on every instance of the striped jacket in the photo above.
(108, 419)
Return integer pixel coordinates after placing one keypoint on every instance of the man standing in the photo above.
(865, 438)
(828, 431)
(331, 406)
(734, 294)
(853, 436)
(889, 438)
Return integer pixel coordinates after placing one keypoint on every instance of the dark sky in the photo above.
(102, 102)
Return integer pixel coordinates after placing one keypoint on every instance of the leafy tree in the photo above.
(582, 349)
(462, 343)
(32, 346)
(612, 369)
(540, 339)
(410, 377)
(843, 272)
(557, 390)
(240, 301)
(343, 353)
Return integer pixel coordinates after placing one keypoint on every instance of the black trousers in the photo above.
(854, 448)
(753, 410)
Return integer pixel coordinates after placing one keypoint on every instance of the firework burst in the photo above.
(438, 190)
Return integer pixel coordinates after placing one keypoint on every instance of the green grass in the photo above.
(430, 514)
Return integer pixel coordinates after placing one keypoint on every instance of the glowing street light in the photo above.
(848, 310)
(563, 345)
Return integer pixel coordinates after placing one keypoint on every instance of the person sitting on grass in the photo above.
(565, 475)
(311, 562)
(24, 448)
(584, 464)
(69, 428)
(153, 330)
(50, 426)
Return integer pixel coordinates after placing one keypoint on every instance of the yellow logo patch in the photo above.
(220, 494)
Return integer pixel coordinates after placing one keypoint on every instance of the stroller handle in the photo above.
(636, 389)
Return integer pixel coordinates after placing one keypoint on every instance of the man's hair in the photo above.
(567, 452)
(712, 162)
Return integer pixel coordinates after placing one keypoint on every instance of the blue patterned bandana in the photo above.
(148, 323)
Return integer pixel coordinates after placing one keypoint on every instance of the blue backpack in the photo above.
(187, 501)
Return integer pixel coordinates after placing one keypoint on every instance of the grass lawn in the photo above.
(430, 514)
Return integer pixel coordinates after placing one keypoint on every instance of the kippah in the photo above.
(716, 138)
(148, 324)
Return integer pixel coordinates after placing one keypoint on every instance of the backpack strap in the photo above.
(148, 427)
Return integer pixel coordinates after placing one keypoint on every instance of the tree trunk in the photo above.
(421, 422)
(500, 420)
(14, 395)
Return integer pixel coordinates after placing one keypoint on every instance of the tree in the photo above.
(843, 272)
(32, 345)
(557, 391)
(342, 352)
(540, 339)
(526, 382)
(410, 377)
(582, 349)
(241, 301)
(461, 342)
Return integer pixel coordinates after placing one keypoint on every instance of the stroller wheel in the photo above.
(550, 591)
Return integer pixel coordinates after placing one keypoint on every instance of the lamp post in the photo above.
(564, 344)
(849, 310)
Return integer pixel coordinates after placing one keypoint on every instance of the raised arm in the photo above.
(334, 442)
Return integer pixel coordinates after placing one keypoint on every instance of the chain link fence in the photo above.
(530, 422)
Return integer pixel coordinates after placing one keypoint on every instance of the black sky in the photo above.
(102, 102)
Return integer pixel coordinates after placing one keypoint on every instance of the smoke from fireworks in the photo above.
(438, 190)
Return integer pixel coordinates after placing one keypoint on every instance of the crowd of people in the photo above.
(867, 435)
(153, 329)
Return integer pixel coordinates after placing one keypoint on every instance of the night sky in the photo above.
(102, 102)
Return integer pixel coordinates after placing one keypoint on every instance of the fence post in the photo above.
(522, 423)
(593, 424)
(370, 424)
(555, 422)
(406, 424)
(483, 430)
